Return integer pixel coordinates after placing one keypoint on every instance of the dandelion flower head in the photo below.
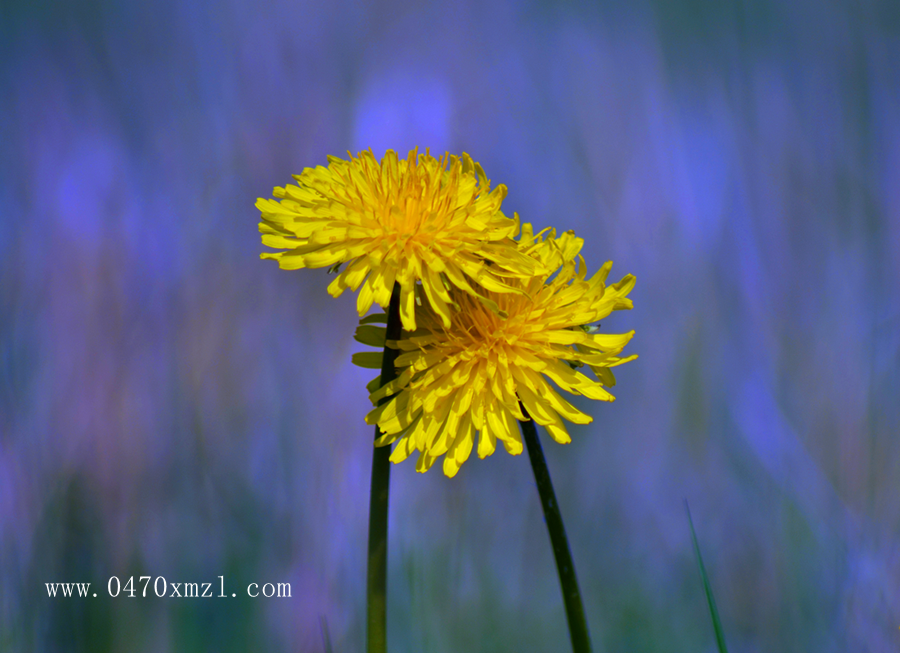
(422, 221)
(469, 377)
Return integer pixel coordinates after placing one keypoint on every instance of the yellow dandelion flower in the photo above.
(470, 376)
(421, 220)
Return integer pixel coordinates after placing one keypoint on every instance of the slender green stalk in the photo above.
(578, 628)
(707, 588)
(376, 579)
(326, 636)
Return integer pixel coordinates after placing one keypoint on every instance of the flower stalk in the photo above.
(376, 578)
(578, 628)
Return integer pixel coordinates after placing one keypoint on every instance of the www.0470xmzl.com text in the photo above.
(147, 586)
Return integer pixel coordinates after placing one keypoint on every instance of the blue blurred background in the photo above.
(172, 406)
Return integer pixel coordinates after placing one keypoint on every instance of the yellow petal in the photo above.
(425, 462)
(408, 307)
(557, 430)
(611, 341)
(366, 297)
(401, 451)
(487, 443)
(557, 403)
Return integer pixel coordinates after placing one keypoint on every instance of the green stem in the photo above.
(578, 628)
(376, 578)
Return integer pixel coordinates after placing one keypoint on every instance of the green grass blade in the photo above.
(326, 636)
(717, 624)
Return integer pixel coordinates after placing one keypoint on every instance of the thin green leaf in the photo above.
(717, 624)
(326, 636)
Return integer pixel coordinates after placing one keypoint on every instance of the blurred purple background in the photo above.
(172, 406)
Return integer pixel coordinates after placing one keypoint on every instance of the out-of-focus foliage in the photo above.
(172, 406)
